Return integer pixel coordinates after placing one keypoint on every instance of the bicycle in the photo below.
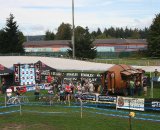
(17, 100)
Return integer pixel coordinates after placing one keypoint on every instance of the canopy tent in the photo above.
(44, 70)
(6, 75)
(5, 71)
(44, 67)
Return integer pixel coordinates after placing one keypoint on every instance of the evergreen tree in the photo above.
(94, 34)
(84, 47)
(11, 37)
(135, 34)
(2, 42)
(49, 35)
(99, 32)
(154, 37)
(143, 33)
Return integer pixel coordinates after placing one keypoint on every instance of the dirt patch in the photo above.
(13, 126)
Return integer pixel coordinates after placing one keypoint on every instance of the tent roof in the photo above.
(124, 69)
(45, 67)
(4, 70)
(65, 64)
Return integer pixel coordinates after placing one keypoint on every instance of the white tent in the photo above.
(57, 63)
(64, 64)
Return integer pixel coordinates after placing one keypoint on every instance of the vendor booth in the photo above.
(6, 75)
(117, 78)
(32, 73)
(45, 71)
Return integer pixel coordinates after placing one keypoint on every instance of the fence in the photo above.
(105, 105)
(86, 110)
(100, 55)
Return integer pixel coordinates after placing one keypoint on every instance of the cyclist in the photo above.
(18, 91)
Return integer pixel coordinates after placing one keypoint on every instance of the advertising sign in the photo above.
(130, 103)
(107, 99)
(27, 74)
(75, 76)
(152, 104)
(90, 97)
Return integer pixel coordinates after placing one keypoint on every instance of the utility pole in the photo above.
(73, 38)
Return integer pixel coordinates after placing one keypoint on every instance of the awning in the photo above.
(130, 72)
(126, 73)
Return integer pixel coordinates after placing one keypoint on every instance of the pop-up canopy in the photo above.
(5, 71)
(44, 67)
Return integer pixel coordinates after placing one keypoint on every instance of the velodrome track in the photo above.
(64, 64)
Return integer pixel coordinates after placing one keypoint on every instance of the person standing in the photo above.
(62, 95)
(49, 78)
(132, 86)
(91, 87)
(37, 92)
(156, 73)
(145, 86)
(138, 85)
(68, 91)
(3, 87)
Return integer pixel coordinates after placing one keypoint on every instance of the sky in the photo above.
(35, 17)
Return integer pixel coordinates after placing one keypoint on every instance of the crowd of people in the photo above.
(137, 87)
(67, 90)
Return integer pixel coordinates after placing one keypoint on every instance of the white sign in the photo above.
(130, 103)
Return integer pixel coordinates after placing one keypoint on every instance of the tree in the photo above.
(11, 37)
(153, 38)
(84, 47)
(135, 34)
(99, 32)
(64, 32)
(49, 35)
(2, 33)
(143, 33)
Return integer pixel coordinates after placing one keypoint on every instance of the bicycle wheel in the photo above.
(10, 100)
(16, 101)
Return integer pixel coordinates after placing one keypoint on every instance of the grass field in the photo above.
(131, 61)
(62, 117)
(68, 118)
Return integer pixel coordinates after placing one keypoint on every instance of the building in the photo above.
(102, 45)
(46, 46)
(120, 45)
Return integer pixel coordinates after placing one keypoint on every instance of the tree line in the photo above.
(64, 32)
(11, 38)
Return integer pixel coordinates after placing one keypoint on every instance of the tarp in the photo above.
(4, 70)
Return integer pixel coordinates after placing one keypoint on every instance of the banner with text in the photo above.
(152, 104)
(130, 103)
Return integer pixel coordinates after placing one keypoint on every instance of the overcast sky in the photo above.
(34, 17)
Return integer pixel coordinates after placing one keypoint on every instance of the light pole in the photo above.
(73, 39)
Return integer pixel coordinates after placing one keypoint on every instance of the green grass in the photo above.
(69, 120)
(131, 61)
